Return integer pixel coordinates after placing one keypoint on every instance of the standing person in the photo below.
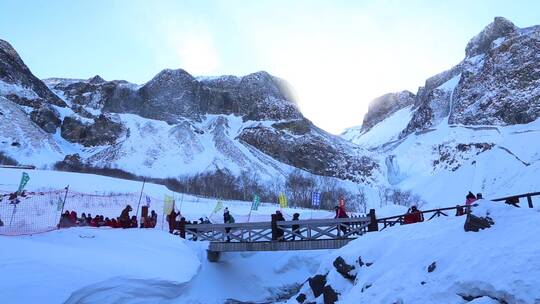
(273, 224)
(279, 218)
(417, 214)
(470, 199)
(171, 218)
(153, 219)
(228, 219)
(73, 218)
(341, 213)
(295, 228)
(125, 220)
(182, 227)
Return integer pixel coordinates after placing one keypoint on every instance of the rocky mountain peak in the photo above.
(11, 53)
(19, 84)
(480, 43)
(384, 106)
(96, 80)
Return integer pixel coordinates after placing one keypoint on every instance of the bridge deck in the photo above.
(278, 246)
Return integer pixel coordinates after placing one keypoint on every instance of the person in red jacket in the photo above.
(341, 213)
(73, 218)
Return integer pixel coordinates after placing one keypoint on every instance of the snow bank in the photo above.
(101, 265)
(46, 268)
(502, 262)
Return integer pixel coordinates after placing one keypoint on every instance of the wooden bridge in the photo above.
(307, 234)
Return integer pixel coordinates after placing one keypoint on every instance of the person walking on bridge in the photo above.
(228, 219)
(341, 213)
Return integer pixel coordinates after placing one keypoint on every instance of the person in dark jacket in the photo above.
(133, 222)
(459, 210)
(125, 220)
(274, 226)
(228, 219)
(295, 228)
(279, 218)
(65, 221)
(171, 218)
(153, 219)
(182, 227)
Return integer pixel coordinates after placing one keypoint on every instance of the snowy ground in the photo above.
(101, 265)
(502, 262)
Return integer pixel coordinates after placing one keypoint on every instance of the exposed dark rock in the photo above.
(496, 84)
(316, 283)
(344, 269)
(14, 72)
(329, 295)
(432, 267)
(297, 127)
(301, 298)
(366, 287)
(423, 283)
(102, 132)
(369, 264)
(311, 152)
(476, 223)
(46, 118)
(481, 43)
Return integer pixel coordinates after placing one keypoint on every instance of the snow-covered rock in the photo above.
(438, 262)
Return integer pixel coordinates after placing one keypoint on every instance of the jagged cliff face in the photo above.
(384, 106)
(175, 124)
(474, 126)
(496, 84)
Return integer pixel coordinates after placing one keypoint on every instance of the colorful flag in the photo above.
(148, 201)
(255, 204)
(168, 204)
(315, 199)
(282, 200)
(24, 180)
(219, 206)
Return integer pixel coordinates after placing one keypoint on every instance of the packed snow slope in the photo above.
(500, 264)
(474, 127)
(104, 265)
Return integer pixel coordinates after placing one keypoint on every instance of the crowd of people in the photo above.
(71, 219)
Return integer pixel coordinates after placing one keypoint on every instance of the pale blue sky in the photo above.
(338, 55)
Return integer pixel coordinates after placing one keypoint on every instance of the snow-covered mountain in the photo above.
(173, 125)
(474, 126)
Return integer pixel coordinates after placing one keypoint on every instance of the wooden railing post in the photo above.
(529, 200)
(373, 225)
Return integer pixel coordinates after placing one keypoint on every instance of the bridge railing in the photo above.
(400, 219)
(301, 230)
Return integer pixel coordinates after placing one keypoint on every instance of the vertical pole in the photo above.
(63, 205)
(529, 200)
(140, 197)
(13, 214)
(64, 202)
